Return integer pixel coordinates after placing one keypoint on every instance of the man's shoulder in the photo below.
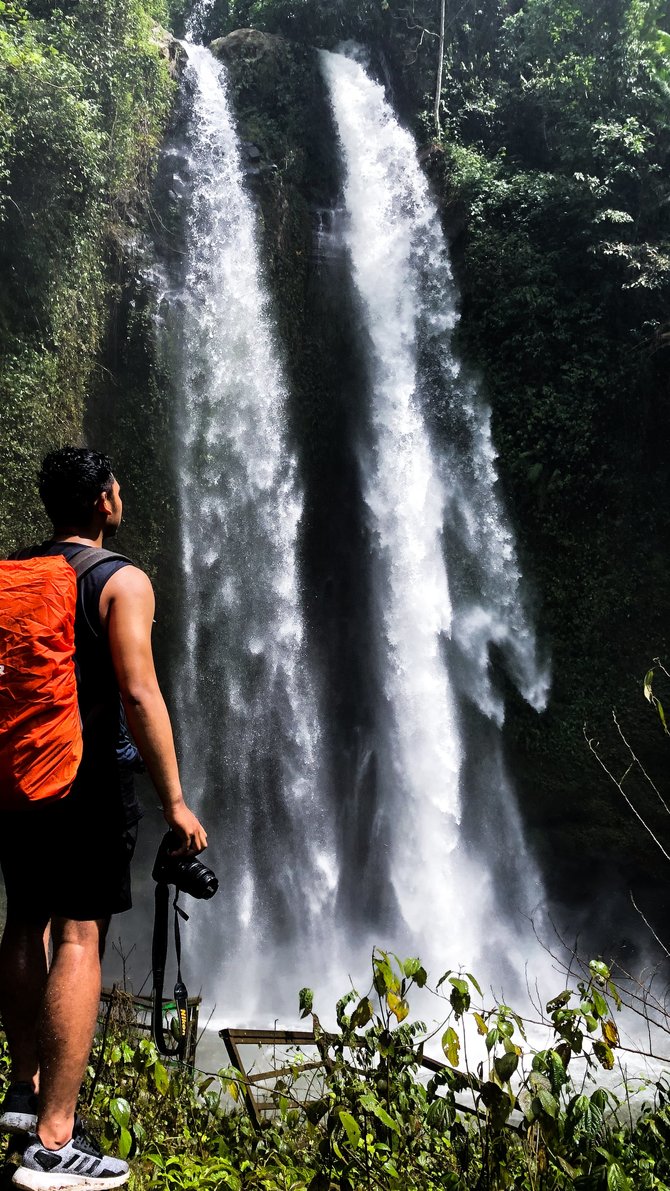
(130, 582)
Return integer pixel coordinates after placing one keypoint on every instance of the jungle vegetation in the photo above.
(538, 1101)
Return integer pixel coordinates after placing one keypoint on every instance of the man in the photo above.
(66, 862)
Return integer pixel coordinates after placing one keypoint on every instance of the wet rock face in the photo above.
(250, 44)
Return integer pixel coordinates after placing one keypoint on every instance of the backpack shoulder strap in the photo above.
(90, 557)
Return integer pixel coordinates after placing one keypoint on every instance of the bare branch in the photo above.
(593, 746)
(649, 927)
(640, 765)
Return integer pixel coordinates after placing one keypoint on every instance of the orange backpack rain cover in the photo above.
(40, 728)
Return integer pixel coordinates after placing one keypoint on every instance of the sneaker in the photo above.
(18, 1113)
(78, 1163)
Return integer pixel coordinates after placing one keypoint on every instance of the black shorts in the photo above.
(61, 861)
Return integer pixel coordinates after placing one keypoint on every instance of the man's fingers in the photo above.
(193, 843)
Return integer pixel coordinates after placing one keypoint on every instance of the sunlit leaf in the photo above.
(648, 679)
(547, 1102)
(451, 1045)
(617, 1179)
(559, 1001)
(604, 1055)
(161, 1078)
(306, 1001)
(351, 1128)
(119, 1110)
(610, 1033)
(473, 982)
(125, 1143)
(371, 1104)
(397, 1005)
(599, 1002)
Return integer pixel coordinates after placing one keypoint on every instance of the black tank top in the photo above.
(105, 778)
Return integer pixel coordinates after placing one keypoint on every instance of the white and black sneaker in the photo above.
(78, 1163)
(18, 1113)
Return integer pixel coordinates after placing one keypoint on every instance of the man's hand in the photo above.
(188, 827)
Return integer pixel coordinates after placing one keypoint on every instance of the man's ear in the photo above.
(103, 504)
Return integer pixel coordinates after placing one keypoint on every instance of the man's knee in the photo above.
(89, 935)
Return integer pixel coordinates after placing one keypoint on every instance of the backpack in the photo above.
(41, 742)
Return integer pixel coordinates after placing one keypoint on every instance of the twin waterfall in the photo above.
(443, 838)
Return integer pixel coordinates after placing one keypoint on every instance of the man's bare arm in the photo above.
(127, 608)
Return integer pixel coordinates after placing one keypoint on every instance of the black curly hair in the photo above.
(70, 482)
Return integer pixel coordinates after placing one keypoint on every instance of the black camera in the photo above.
(186, 872)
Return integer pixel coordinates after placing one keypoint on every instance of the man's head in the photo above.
(79, 491)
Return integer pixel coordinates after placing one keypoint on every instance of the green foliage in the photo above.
(85, 92)
(511, 1114)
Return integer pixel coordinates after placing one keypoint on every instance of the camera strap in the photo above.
(159, 946)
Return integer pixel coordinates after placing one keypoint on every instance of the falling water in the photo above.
(252, 757)
(434, 525)
(307, 843)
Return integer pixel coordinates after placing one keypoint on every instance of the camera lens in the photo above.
(195, 878)
(187, 873)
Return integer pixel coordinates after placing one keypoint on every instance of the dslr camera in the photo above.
(187, 873)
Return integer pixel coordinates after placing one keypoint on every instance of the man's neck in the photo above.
(81, 537)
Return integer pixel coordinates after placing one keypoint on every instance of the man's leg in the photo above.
(23, 975)
(67, 1025)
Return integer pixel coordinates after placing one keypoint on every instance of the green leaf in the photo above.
(547, 1102)
(617, 1180)
(459, 996)
(473, 982)
(451, 1045)
(351, 1128)
(481, 1024)
(125, 1143)
(491, 1038)
(604, 1055)
(362, 1014)
(648, 679)
(559, 1001)
(371, 1104)
(306, 1001)
(599, 969)
(119, 1110)
(599, 1003)
(397, 1005)
(384, 978)
(161, 1078)
(505, 1065)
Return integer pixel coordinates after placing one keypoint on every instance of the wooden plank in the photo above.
(279, 1071)
(230, 1042)
(280, 1037)
(235, 1038)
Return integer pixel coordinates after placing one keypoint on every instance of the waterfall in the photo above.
(446, 579)
(247, 695)
(380, 811)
